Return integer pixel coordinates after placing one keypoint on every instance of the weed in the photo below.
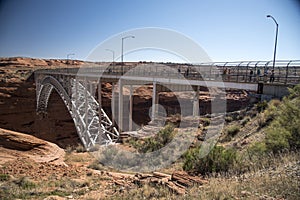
(233, 130)
(205, 121)
(4, 177)
(261, 106)
(95, 165)
(80, 148)
(228, 119)
(219, 159)
(25, 183)
(245, 121)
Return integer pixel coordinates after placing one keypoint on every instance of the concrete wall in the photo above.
(275, 90)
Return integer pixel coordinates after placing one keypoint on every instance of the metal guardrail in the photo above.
(285, 71)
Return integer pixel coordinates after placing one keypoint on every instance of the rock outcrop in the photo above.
(14, 145)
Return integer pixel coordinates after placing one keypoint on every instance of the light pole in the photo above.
(122, 49)
(274, 58)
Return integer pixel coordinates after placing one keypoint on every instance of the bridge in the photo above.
(80, 88)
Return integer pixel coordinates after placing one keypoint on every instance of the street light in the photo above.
(122, 49)
(270, 16)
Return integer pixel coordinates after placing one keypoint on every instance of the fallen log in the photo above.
(162, 175)
(185, 179)
(175, 188)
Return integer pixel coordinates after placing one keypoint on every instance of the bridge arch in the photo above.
(46, 86)
(82, 106)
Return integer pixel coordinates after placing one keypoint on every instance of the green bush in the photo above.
(4, 177)
(25, 183)
(245, 121)
(95, 165)
(277, 138)
(257, 149)
(233, 130)
(228, 119)
(272, 110)
(80, 148)
(283, 131)
(162, 138)
(218, 160)
(261, 106)
(205, 121)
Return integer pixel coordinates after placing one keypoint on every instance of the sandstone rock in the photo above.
(15, 145)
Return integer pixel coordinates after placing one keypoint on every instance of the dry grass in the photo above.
(260, 186)
(273, 176)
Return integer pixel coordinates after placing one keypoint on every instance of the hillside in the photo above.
(80, 176)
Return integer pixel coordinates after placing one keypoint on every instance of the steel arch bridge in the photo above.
(78, 89)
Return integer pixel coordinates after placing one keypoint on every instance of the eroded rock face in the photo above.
(14, 145)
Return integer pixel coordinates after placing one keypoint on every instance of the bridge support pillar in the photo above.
(130, 106)
(196, 102)
(155, 99)
(86, 110)
(113, 105)
(76, 93)
(120, 87)
(99, 100)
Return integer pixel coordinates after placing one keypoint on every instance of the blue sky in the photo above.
(228, 30)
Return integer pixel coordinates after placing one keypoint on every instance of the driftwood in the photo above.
(175, 188)
(162, 175)
(187, 180)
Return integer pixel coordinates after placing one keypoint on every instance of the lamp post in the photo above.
(122, 49)
(270, 16)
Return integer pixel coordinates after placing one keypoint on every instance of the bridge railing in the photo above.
(285, 71)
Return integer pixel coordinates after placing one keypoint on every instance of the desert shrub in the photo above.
(272, 110)
(228, 119)
(261, 120)
(69, 149)
(277, 138)
(283, 131)
(4, 177)
(134, 142)
(245, 121)
(233, 130)
(218, 160)
(254, 156)
(205, 121)
(80, 148)
(258, 148)
(162, 138)
(95, 165)
(261, 106)
(25, 183)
